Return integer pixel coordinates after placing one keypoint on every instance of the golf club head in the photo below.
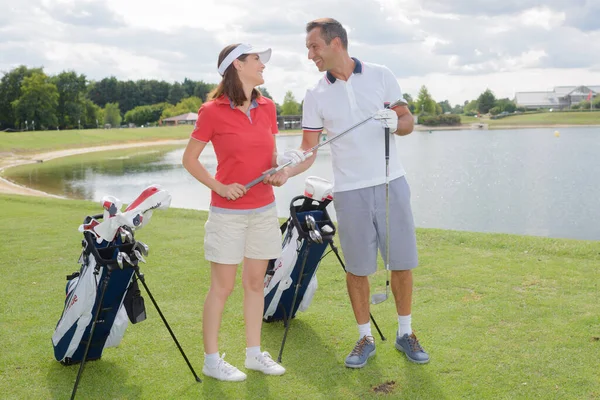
(311, 223)
(143, 247)
(123, 235)
(127, 258)
(120, 260)
(327, 229)
(315, 236)
(139, 256)
(378, 298)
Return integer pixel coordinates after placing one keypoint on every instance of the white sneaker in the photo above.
(265, 364)
(224, 371)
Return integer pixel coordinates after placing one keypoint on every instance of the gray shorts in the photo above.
(361, 227)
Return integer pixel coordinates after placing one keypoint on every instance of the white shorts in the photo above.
(228, 238)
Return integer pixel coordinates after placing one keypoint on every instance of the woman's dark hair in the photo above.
(231, 85)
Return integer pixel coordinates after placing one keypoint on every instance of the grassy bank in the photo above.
(545, 118)
(502, 316)
(41, 141)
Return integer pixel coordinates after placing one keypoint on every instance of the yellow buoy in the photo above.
(556, 133)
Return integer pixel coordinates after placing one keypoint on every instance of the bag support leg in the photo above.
(141, 278)
(87, 346)
(287, 320)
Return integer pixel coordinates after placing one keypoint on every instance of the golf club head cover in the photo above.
(318, 188)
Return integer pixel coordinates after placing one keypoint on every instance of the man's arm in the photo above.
(406, 121)
(309, 140)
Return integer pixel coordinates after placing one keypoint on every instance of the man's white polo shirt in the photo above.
(359, 157)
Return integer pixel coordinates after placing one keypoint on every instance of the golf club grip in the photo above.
(260, 178)
(387, 143)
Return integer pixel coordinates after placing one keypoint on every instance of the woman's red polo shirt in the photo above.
(244, 147)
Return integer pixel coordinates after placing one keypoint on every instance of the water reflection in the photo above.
(513, 181)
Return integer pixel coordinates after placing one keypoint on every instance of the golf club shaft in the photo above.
(387, 209)
(399, 102)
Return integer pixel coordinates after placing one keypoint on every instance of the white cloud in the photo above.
(457, 49)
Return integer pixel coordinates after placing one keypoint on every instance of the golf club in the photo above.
(139, 256)
(143, 247)
(314, 232)
(381, 297)
(120, 260)
(399, 102)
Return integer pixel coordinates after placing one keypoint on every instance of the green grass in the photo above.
(41, 141)
(503, 317)
(545, 118)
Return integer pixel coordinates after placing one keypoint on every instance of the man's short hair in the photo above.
(330, 29)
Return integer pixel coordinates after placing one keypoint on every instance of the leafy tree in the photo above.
(10, 90)
(457, 109)
(425, 103)
(93, 116)
(471, 108)
(486, 101)
(38, 102)
(71, 96)
(105, 91)
(265, 92)
(191, 104)
(176, 93)
(142, 115)
(129, 95)
(152, 91)
(445, 106)
(202, 89)
(411, 102)
(189, 86)
(290, 106)
(506, 105)
(112, 114)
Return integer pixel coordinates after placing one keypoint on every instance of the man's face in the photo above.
(319, 52)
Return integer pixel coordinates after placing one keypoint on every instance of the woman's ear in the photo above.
(237, 64)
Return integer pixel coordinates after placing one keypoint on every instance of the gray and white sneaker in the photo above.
(409, 345)
(265, 364)
(224, 371)
(363, 350)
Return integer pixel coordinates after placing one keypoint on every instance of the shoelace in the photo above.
(414, 343)
(265, 359)
(225, 367)
(359, 346)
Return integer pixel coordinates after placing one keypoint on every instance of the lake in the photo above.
(522, 181)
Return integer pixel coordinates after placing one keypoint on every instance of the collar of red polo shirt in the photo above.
(264, 54)
(223, 99)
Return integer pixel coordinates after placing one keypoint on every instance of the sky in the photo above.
(457, 49)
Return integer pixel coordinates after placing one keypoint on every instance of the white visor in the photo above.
(264, 54)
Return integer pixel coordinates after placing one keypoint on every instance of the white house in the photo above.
(559, 98)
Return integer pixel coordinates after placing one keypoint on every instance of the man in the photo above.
(350, 92)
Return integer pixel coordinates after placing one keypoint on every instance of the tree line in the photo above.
(33, 100)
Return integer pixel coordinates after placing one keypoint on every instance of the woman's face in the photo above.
(251, 70)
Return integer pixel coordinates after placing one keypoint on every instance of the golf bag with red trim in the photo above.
(104, 293)
(101, 285)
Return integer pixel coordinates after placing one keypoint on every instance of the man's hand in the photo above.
(294, 156)
(277, 179)
(232, 192)
(388, 118)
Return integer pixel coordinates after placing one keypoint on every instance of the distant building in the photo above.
(187, 118)
(285, 122)
(561, 97)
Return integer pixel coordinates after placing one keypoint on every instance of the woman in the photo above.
(242, 224)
